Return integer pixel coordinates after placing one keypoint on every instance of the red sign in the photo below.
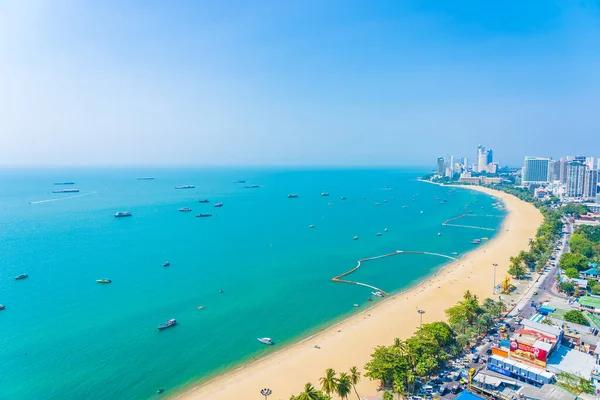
(528, 353)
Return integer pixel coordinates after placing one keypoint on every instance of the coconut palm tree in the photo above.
(398, 388)
(329, 382)
(344, 385)
(310, 393)
(354, 379)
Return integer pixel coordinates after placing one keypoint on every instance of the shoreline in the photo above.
(351, 340)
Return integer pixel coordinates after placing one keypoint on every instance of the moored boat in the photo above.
(64, 183)
(170, 323)
(266, 340)
(2, 307)
(201, 215)
(324, 194)
(204, 201)
(311, 226)
(252, 186)
(185, 187)
(21, 276)
(385, 230)
(66, 191)
(146, 178)
(343, 198)
(103, 280)
(476, 241)
(292, 196)
(185, 209)
(378, 234)
(218, 205)
(355, 238)
(120, 214)
(376, 204)
(377, 293)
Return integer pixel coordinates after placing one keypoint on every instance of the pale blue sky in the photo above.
(305, 82)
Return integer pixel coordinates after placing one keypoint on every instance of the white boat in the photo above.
(421, 212)
(378, 294)
(120, 214)
(355, 238)
(376, 204)
(385, 230)
(454, 253)
(266, 340)
(439, 234)
(378, 234)
(311, 226)
(355, 305)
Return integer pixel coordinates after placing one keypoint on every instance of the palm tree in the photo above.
(310, 393)
(398, 388)
(344, 385)
(354, 379)
(329, 382)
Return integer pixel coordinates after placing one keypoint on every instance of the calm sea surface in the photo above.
(64, 336)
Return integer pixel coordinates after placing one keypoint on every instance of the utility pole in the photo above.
(494, 290)
(421, 312)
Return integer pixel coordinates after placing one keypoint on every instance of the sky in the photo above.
(311, 82)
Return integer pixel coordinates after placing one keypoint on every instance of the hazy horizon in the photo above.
(313, 84)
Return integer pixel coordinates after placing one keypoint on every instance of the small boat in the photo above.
(204, 201)
(66, 191)
(292, 196)
(476, 241)
(146, 178)
(454, 253)
(387, 187)
(422, 212)
(439, 234)
(161, 390)
(311, 226)
(120, 214)
(185, 187)
(378, 234)
(266, 340)
(385, 230)
(203, 215)
(218, 205)
(485, 238)
(170, 323)
(355, 238)
(378, 294)
(369, 299)
(185, 209)
(404, 206)
(64, 183)
(355, 305)
(376, 204)
(240, 182)
(385, 201)
(200, 307)
(329, 204)
(2, 307)
(364, 198)
(343, 198)
(103, 280)
(166, 264)
(392, 198)
(324, 194)
(21, 276)
(252, 186)
(221, 291)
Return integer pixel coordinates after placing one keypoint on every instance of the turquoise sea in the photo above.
(64, 336)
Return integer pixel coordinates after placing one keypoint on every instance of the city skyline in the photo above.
(294, 84)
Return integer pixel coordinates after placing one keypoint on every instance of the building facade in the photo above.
(575, 184)
(441, 167)
(535, 170)
(590, 184)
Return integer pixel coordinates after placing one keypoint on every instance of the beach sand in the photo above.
(352, 341)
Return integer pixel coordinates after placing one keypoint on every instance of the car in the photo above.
(535, 292)
(488, 352)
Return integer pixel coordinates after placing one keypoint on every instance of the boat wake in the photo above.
(61, 198)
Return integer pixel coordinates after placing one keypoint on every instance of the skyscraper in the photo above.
(481, 158)
(441, 167)
(590, 185)
(575, 179)
(489, 156)
(452, 169)
(535, 170)
(554, 170)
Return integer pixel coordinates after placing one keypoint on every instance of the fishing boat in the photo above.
(439, 234)
(324, 194)
(476, 241)
(343, 198)
(240, 182)
(252, 186)
(378, 234)
(2, 307)
(385, 230)
(266, 340)
(170, 323)
(166, 264)
(120, 214)
(64, 183)
(385, 201)
(292, 196)
(311, 226)
(103, 280)
(218, 205)
(21, 276)
(378, 294)
(376, 204)
(355, 238)
(204, 201)
(185, 209)
(355, 305)
(185, 187)
(146, 178)
(66, 191)
(404, 206)
(203, 215)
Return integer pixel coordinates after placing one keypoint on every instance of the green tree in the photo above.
(573, 260)
(310, 393)
(387, 395)
(385, 363)
(528, 259)
(344, 385)
(399, 388)
(581, 245)
(572, 273)
(596, 290)
(466, 309)
(516, 268)
(354, 379)
(329, 381)
(568, 288)
(440, 332)
(576, 317)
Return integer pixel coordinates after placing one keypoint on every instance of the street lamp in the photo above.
(421, 312)
(266, 392)
(494, 290)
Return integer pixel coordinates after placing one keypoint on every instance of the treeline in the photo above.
(401, 366)
(585, 249)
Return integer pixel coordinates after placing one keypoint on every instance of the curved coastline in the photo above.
(351, 340)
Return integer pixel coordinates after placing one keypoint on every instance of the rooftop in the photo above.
(572, 361)
(589, 301)
(466, 395)
(543, 328)
(546, 392)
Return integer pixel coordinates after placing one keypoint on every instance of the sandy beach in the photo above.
(352, 341)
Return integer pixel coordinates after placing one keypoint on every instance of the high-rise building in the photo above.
(535, 170)
(589, 161)
(481, 158)
(452, 168)
(598, 166)
(489, 156)
(575, 179)
(590, 185)
(554, 170)
(465, 163)
(441, 167)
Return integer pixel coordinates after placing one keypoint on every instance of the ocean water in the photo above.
(64, 336)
